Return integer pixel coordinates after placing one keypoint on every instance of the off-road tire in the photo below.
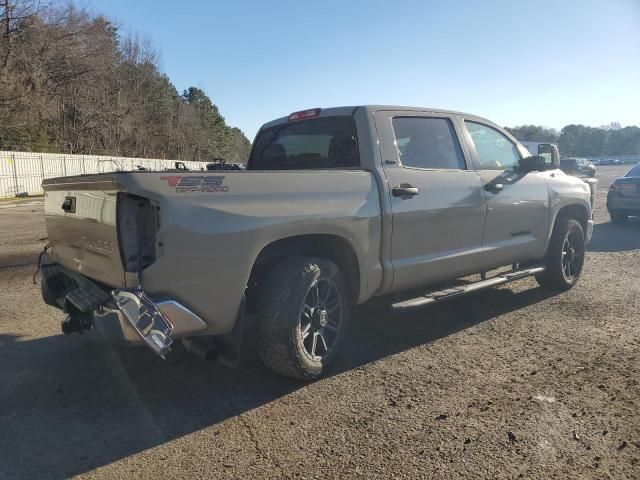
(280, 344)
(618, 218)
(554, 277)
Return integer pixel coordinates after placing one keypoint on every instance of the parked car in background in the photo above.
(623, 199)
(609, 161)
(578, 167)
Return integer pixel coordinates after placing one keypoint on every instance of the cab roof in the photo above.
(350, 110)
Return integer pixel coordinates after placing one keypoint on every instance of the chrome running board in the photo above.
(436, 296)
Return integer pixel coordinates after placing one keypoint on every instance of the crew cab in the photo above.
(336, 206)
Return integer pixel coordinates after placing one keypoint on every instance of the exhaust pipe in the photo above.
(202, 347)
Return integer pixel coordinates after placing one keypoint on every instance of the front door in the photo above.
(517, 221)
(437, 202)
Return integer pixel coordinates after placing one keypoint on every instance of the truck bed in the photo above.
(177, 234)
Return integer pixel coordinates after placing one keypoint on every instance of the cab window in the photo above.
(495, 150)
(325, 142)
(429, 143)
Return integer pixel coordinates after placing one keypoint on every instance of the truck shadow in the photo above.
(71, 404)
(609, 237)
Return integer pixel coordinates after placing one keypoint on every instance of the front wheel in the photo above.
(565, 256)
(303, 313)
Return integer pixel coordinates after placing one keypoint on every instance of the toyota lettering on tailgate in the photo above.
(196, 183)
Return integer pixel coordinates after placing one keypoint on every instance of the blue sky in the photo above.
(514, 61)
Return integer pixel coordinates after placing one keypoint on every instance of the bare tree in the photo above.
(70, 82)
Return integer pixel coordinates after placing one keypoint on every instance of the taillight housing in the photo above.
(138, 223)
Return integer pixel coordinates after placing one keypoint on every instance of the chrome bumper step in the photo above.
(153, 327)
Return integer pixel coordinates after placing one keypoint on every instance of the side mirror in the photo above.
(551, 155)
(535, 163)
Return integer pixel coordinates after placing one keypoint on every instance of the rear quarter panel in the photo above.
(208, 240)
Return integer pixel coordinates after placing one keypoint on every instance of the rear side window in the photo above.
(427, 143)
(495, 150)
(326, 142)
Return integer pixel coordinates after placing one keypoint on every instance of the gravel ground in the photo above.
(509, 383)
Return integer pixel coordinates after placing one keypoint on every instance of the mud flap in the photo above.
(230, 345)
(153, 327)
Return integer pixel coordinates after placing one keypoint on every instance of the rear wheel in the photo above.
(618, 217)
(565, 256)
(303, 313)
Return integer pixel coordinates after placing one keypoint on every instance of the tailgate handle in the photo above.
(69, 204)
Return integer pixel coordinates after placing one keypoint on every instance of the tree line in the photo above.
(70, 82)
(582, 141)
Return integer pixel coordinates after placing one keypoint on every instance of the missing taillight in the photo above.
(137, 227)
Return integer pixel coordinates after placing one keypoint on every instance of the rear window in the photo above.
(634, 172)
(326, 142)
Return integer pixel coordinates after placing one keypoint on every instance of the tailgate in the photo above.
(81, 218)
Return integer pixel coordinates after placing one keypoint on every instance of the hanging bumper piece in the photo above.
(153, 327)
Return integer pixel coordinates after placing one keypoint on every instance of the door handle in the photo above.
(494, 187)
(405, 191)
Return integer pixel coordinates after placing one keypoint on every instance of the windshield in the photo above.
(328, 142)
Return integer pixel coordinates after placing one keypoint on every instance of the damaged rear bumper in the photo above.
(123, 316)
(149, 323)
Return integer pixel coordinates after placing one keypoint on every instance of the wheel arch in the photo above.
(329, 246)
(576, 211)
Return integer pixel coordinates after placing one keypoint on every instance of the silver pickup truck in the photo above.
(336, 206)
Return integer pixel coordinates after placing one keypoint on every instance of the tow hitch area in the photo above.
(145, 318)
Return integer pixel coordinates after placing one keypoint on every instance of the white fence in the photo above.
(22, 173)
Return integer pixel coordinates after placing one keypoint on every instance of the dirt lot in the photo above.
(509, 383)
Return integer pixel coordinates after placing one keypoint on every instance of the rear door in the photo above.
(517, 220)
(437, 201)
